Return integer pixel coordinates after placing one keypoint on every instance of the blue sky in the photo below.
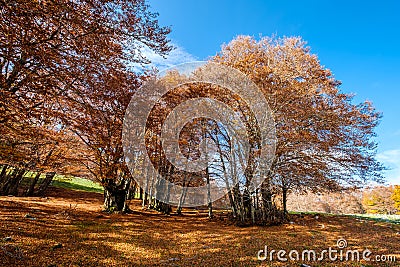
(358, 40)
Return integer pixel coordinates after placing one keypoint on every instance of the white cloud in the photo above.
(177, 56)
(391, 159)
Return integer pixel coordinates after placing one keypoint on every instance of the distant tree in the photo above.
(396, 197)
(379, 200)
(36, 146)
(343, 202)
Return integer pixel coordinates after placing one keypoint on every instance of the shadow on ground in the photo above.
(67, 228)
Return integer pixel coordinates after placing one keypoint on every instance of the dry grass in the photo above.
(146, 238)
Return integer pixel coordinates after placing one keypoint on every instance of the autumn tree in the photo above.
(213, 126)
(379, 200)
(342, 202)
(325, 142)
(192, 136)
(396, 197)
(96, 118)
(54, 54)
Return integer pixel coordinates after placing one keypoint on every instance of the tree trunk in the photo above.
(182, 198)
(132, 190)
(271, 215)
(13, 189)
(183, 195)
(114, 199)
(46, 182)
(210, 209)
(232, 203)
(228, 187)
(3, 173)
(11, 181)
(7, 181)
(141, 193)
(146, 189)
(252, 211)
(150, 197)
(144, 200)
(115, 196)
(247, 205)
(284, 200)
(128, 191)
(238, 199)
(162, 196)
(31, 188)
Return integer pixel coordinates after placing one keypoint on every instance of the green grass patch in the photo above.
(68, 182)
(378, 217)
(310, 213)
(76, 183)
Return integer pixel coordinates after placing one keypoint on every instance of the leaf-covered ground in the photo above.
(68, 229)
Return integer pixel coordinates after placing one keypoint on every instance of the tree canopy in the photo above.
(325, 141)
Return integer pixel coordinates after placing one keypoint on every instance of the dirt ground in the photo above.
(67, 228)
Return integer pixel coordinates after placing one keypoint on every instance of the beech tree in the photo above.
(218, 171)
(325, 142)
(96, 117)
(54, 53)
